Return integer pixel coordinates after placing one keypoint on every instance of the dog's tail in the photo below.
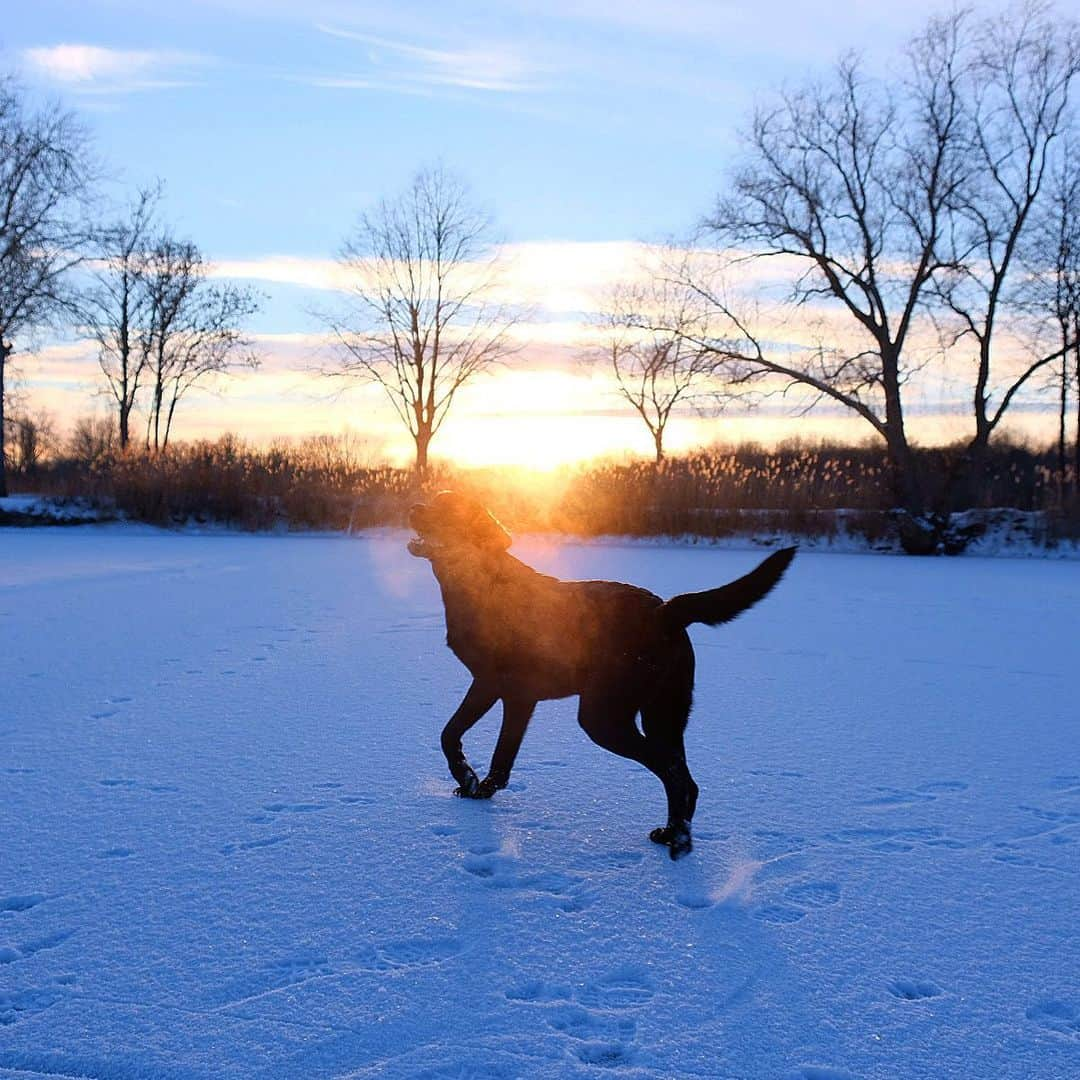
(721, 605)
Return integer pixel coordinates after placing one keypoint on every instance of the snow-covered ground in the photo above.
(228, 846)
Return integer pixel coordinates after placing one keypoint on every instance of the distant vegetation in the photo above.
(329, 483)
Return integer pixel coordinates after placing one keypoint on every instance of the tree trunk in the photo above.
(906, 489)
(658, 440)
(920, 533)
(153, 421)
(125, 399)
(159, 397)
(959, 491)
(4, 352)
(973, 460)
(423, 440)
(1063, 405)
(1076, 372)
(169, 420)
(905, 486)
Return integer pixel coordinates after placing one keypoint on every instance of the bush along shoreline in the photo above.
(831, 495)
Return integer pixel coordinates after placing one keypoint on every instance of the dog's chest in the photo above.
(502, 628)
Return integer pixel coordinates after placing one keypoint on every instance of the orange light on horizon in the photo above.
(541, 418)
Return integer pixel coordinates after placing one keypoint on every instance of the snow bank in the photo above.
(37, 509)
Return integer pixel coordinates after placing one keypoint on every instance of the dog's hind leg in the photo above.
(478, 700)
(668, 747)
(608, 719)
(663, 719)
(517, 713)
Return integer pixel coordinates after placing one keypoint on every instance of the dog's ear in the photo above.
(485, 529)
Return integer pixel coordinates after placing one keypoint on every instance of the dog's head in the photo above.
(452, 521)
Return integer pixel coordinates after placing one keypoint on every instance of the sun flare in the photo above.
(540, 442)
(541, 419)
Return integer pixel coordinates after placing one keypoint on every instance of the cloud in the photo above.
(93, 69)
(559, 282)
(555, 276)
(308, 273)
(559, 286)
(405, 67)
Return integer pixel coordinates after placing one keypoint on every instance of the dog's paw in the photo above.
(676, 838)
(680, 843)
(470, 788)
(487, 788)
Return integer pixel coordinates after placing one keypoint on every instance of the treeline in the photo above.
(331, 482)
(121, 279)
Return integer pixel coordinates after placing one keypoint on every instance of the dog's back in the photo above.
(539, 634)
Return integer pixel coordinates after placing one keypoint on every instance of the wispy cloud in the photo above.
(553, 277)
(406, 67)
(95, 69)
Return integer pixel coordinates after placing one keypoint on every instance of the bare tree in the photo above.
(1023, 67)
(45, 170)
(92, 440)
(656, 331)
(894, 205)
(32, 439)
(1053, 259)
(422, 321)
(192, 330)
(849, 183)
(117, 309)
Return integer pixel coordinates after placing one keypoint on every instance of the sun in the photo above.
(540, 442)
(540, 419)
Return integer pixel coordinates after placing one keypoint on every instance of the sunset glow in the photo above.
(545, 411)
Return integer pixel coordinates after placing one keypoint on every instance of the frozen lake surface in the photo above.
(228, 845)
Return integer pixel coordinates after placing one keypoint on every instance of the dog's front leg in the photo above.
(516, 716)
(478, 699)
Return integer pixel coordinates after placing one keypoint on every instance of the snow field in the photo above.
(228, 846)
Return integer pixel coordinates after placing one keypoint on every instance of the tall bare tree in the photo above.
(1023, 68)
(193, 330)
(117, 308)
(892, 203)
(45, 170)
(849, 183)
(422, 321)
(1053, 259)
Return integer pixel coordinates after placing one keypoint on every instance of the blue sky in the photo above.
(274, 122)
(581, 125)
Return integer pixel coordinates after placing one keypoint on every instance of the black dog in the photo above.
(527, 637)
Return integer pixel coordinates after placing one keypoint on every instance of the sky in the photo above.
(586, 128)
